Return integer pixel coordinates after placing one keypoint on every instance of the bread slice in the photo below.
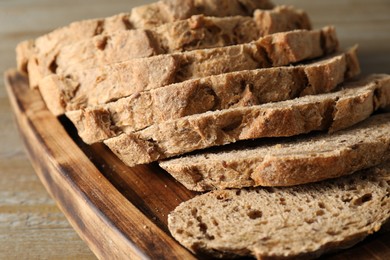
(332, 112)
(111, 82)
(33, 54)
(289, 162)
(198, 32)
(299, 222)
(166, 11)
(235, 89)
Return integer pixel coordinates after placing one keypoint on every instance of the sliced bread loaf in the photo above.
(235, 89)
(332, 111)
(107, 83)
(166, 11)
(289, 162)
(32, 55)
(299, 222)
(198, 32)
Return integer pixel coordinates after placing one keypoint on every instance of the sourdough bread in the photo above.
(37, 55)
(236, 89)
(198, 32)
(111, 82)
(166, 11)
(283, 223)
(332, 112)
(289, 162)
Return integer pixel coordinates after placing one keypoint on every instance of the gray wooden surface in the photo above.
(31, 225)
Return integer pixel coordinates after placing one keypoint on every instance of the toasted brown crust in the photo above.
(287, 118)
(172, 10)
(288, 162)
(299, 222)
(198, 32)
(111, 82)
(44, 48)
(237, 89)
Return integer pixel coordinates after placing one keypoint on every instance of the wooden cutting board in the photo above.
(120, 212)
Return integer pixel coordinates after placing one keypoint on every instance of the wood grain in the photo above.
(31, 226)
(120, 212)
(110, 224)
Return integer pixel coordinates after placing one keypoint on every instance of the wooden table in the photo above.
(31, 225)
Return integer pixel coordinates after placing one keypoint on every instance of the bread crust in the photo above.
(285, 223)
(282, 119)
(197, 32)
(111, 82)
(237, 89)
(287, 162)
(41, 52)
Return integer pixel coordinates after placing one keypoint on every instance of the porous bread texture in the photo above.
(197, 32)
(287, 162)
(332, 112)
(236, 89)
(172, 10)
(111, 82)
(35, 56)
(282, 223)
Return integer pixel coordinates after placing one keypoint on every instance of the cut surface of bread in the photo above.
(236, 89)
(290, 162)
(111, 82)
(35, 56)
(166, 11)
(281, 223)
(332, 112)
(198, 32)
